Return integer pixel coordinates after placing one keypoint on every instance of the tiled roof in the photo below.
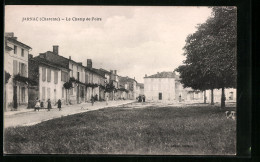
(17, 42)
(163, 75)
(95, 71)
(126, 79)
(141, 85)
(49, 63)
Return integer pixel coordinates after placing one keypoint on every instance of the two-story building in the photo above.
(16, 64)
(50, 78)
(95, 82)
(76, 74)
(127, 88)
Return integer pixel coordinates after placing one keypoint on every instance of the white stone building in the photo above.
(160, 87)
(16, 64)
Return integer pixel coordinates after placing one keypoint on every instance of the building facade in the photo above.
(16, 64)
(160, 87)
(50, 78)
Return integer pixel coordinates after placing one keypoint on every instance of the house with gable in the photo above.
(16, 73)
(76, 75)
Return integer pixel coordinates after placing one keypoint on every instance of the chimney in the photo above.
(30, 56)
(157, 72)
(70, 57)
(9, 34)
(112, 71)
(115, 71)
(56, 50)
(145, 75)
(89, 63)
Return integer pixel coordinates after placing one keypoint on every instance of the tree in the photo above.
(211, 53)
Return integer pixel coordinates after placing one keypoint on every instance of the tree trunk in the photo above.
(212, 97)
(223, 98)
(205, 98)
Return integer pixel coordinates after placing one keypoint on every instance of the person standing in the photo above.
(143, 98)
(59, 104)
(92, 100)
(37, 104)
(49, 104)
(106, 100)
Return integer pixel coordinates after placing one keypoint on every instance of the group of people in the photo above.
(141, 98)
(39, 104)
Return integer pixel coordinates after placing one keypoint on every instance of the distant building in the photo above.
(139, 89)
(127, 88)
(230, 94)
(95, 82)
(16, 64)
(160, 86)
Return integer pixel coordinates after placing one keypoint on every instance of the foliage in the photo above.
(110, 87)
(23, 79)
(93, 85)
(123, 89)
(211, 52)
(7, 77)
(68, 85)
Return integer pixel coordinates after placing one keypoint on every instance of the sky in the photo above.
(132, 40)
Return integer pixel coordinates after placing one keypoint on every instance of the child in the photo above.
(92, 100)
(37, 105)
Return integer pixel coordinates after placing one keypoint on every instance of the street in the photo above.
(32, 117)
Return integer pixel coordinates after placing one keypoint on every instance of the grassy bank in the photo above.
(166, 130)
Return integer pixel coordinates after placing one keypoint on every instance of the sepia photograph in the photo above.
(120, 80)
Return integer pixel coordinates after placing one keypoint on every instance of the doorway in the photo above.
(160, 96)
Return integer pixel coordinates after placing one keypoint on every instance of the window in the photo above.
(43, 74)
(15, 67)
(62, 92)
(23, 69)
(64, 76)
(78, 76)
(48, 93)
(15, 49)
(48, 75)
(22, 52)
(56, 77)
(43, 93)
(86, 78)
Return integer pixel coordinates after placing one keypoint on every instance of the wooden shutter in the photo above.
(48, 75)
(56, 77)
(48, 93)
(43, 73)
(14, 67)
(43, 93)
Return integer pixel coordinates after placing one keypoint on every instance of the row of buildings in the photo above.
(166, 86)
(52, 76)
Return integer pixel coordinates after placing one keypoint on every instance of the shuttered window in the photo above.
(43, 73)
(86, 78)
(64, 76)
(14, 67)
(49, 75)
(43, 93)
(48, 93)
(15, 49)
(56, 77)
(22, 52)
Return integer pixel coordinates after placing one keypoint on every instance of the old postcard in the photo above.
(120, 80)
